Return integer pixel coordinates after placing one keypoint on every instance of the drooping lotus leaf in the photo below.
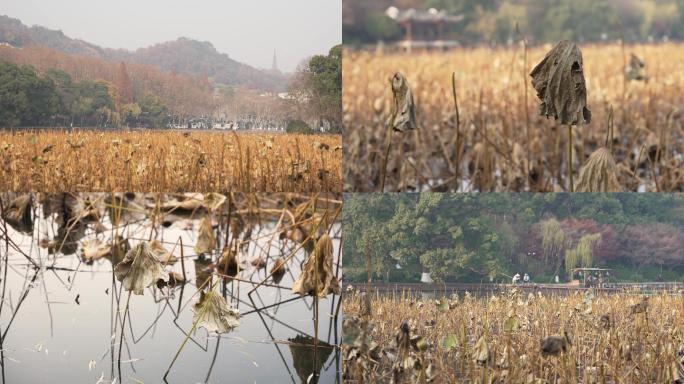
(94, 249)
(206, 239)
(481, 352)
(318, 277)
(404, 112)
(18, 213)
(213, 314)
(139, 269)
(599, 173)
(560, 85)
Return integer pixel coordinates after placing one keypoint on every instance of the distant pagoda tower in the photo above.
(274, 67)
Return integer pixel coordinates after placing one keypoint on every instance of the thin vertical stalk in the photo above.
(457, 164)
(570, 180)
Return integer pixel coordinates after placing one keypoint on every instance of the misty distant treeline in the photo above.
(475, 237)
(494, 21)
(183, 55)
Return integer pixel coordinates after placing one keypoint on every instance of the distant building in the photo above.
(425, 29)
(274, 67)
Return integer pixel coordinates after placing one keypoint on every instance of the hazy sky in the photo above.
(247, 30)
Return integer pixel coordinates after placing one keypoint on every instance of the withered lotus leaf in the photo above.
(481, 352)
(18, 213)
(404, 112)
(94, 249)
(175, 279)
(318, 277)
(560, 85)
(228, 262)
(278, 270)
(599, 173)
(161, 253)
(213, 314)
(139, 269)
(206, 238)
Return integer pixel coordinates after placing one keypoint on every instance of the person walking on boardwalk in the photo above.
(516, 278)
(526, 279)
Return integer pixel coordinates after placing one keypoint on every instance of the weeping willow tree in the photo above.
(553, 240)
(583, 254)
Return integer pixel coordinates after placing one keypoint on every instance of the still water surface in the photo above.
(62, 322)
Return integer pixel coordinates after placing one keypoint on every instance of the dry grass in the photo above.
(609, 342)
(504, 144)
(54, 160)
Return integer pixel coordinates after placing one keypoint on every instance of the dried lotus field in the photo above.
(161, 161)
(588, 338)
(498, 141)
(619, 338)
(176, 288)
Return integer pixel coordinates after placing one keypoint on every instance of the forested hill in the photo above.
(200, 58)
(472, 237)
(183, 56)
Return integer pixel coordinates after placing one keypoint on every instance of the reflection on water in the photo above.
(66, 316)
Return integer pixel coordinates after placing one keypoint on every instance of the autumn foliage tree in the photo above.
(91, 91)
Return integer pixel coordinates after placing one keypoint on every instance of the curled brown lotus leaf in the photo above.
(175, 279)
(161, 253)
(228, 262)
(404, 110)
(560, 85)
(213, 314)
(139, 269)
(318, 277)
(206, 238)
(278, 270)
(94, 249)
(599, 173)
(18, 213)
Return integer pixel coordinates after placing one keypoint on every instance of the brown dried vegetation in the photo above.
(168, 161)
(514, 337)
(495, 140)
